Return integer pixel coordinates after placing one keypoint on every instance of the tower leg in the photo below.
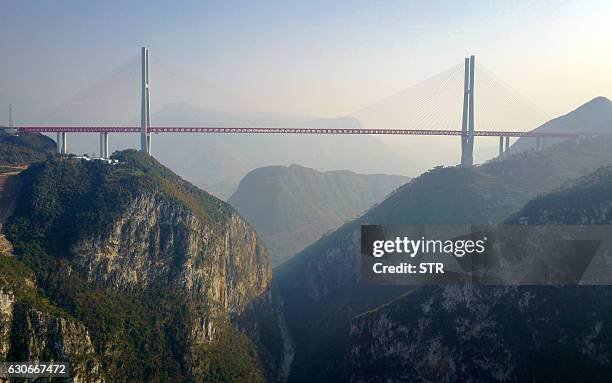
(507, 145)
(145, 106)
(464, 121)
(467, 124)
(59, 142)
(501, 146)
(539, 143)
(470, 160)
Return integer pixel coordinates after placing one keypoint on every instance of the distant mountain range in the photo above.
(593, 117)
(290, 207)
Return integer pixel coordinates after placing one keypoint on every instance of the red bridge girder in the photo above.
(279, 130)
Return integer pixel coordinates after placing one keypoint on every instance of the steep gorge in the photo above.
(320, 286)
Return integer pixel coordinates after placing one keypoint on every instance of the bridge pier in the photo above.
(504, 146)
(104, 145)
(539, 143)
(58, 142)
(64, 140)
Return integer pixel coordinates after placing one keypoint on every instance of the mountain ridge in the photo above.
(594, 116)
(522, 333)
(323, 278)
(166, 281)
(291, 206)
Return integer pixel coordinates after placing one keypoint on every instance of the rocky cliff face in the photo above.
(323, 280)
(157, 244)
(28, 334)
(482, 195)
(32, 330)
(493, 334)
(155, 272)
(518, 333)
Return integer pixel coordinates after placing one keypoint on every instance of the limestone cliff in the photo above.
(32, 329)
(320, 286)
(158, 244)
(484, 334)
(487, 333)
(28, 334)
(155, 272)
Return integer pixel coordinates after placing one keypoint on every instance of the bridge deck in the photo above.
(278, 130)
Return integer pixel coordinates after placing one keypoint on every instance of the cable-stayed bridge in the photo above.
(455, 87)
(288, 130)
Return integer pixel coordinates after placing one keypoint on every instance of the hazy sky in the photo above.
(316, 57)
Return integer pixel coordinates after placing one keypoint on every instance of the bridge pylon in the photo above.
(467, 124)
(145, 107)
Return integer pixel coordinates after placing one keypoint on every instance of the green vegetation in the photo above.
(140, 336)
(203, 205)
(539, 339)
(229, 359)
(18, 278)
(583, 201)
(320, 286)
(25, 148)
(293, 206)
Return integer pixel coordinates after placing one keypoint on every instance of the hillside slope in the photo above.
(518, 333)
(156, 274)
(586, 201)
(594, 116)
(24, 148)
(290, 207)
(320, 285)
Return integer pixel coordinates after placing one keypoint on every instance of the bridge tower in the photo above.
(467, 125)
(145, 108)
(10, 130)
